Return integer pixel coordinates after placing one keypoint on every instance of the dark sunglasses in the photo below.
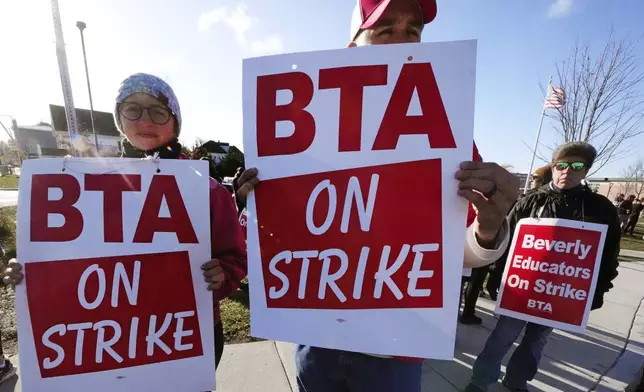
(133, 111)
(575, 166)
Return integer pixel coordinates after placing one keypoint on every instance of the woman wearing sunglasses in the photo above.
(148, 115)
(564, 197)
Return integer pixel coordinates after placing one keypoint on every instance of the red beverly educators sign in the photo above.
(355, 234)
(113, 297)
(551, 272)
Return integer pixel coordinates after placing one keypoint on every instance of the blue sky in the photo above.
(198, 47)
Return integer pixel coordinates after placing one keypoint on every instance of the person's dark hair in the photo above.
(577, 149)
(542, 175)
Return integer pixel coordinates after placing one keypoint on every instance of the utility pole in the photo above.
(61, 54)
(81, 26)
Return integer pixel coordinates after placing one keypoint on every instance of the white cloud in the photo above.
(270, 45)
(207, 19)
(241, 23)
(560, 8)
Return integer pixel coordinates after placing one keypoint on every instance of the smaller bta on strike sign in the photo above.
(355, 233)
(551, 272)
(110, 248)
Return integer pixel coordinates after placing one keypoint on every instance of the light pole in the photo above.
(81, 26)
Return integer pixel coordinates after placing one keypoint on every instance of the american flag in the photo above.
(555, 99)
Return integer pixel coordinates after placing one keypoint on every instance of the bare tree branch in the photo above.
(604, 97)
(635, 174)
(538, 153)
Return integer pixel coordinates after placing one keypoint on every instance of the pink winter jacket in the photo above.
(227, 242)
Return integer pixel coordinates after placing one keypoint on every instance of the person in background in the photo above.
(618, 199)
(240, 197)
(633, 217)
(624, 209)
(147, 113)
(489, 187)
(542, 177)
(564, 198)
(471, 296)
(240, 201)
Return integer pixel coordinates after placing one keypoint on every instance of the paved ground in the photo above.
(8, 198)
(606, 358)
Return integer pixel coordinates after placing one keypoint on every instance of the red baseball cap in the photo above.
(368, 12)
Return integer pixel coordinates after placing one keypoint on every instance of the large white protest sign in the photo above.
(356, 234)
(113, 296)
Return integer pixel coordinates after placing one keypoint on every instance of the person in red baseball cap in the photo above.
(381, 22)
(490, 188)
(390, 21)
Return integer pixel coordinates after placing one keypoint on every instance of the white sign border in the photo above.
(443, 334)
(103, 381)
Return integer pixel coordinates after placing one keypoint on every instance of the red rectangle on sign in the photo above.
(550, 272)
(105, 313)
(320, 250)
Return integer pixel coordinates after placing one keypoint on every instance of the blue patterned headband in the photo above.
(152, 85)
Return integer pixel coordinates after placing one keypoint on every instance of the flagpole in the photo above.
(536, 142)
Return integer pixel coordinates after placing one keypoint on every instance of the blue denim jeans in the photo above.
(325, 370)
(523, 365)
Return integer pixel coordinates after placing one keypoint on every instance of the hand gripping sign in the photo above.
(551, 272)
(355, 233)
(113, 297)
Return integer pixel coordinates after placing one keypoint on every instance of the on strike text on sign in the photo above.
(550, 271)
(382, 256)
(111, 312)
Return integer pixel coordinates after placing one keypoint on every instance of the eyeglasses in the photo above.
(575, 166)
(133, 111)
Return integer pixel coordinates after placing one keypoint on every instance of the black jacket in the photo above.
(567, 204)
(624, 207)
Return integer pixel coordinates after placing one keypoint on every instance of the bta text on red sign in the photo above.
(351, 82)
(112, 186)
